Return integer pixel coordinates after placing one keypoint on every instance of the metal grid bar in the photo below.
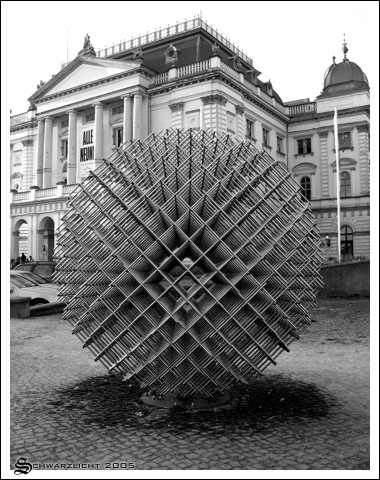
(188, 260)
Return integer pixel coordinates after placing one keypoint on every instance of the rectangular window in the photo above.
(117, 110)
(344, 140)
(280, 144)
(304, 146)
(64, 148)
(265, 137)
(117, 137)
(250, 128)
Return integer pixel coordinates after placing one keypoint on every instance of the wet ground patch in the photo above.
(276, 399)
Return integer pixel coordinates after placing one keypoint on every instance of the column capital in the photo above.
(126, 95)
(363, 128)
(323, 134)
(239, 109)
(139, 91)
(217, 98)
(176, 106)
(98, 104)
(72, 110)
(48, 118)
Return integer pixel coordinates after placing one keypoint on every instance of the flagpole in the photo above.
(337, 178)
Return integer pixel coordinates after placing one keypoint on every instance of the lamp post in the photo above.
(327, 239)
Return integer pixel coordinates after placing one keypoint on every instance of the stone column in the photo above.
(363, 172)
(40, 151)
(137, 116)
(128, 118)
(15, 244)
(98, 132)
(40, 244)
(72, 148)
(48, 147)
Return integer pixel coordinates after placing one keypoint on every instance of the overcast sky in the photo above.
(291, 43)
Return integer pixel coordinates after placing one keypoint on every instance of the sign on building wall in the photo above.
(86, 151)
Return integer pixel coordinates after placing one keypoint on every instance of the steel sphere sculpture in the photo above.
(188, 261)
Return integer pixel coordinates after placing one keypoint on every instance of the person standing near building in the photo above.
(23, 257)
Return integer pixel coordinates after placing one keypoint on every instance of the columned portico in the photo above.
(40, 151)
(98, 132)
(48, 146)
(72, 148)
(128, 118)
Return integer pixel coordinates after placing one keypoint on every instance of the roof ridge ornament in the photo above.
(87, 49)
(345, 49)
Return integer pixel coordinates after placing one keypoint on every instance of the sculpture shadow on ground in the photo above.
(270, 401)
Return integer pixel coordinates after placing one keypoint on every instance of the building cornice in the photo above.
(310, 117)
(222, 76)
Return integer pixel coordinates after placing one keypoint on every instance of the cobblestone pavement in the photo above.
(311, 411)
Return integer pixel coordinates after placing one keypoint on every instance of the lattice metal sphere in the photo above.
(189, 261)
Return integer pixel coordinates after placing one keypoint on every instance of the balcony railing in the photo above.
(66, 190)
(21, 118)
(302, 108)
(20, 197)
(46, 192)
(161, 78)
(167, 32)
(230, 71)
(193, 68)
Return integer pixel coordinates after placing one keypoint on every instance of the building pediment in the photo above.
(305, 168)
(345, 163)
(83, 70)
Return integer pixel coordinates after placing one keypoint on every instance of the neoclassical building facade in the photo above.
(186, 76)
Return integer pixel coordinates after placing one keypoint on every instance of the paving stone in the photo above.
(72, 410)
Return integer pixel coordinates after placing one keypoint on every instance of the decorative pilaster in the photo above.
(214, 111)
(72, 148)
(240, 120)
(27, 163)
(177, 114)
(48, 153)
(98, 132)
(325, 180)
(363, 132)
(128, 118)
(40, 151)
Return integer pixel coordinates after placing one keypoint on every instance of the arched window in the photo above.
(306, 187)
(345, 185)
(346, 242)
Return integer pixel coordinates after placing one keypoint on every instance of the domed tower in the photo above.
(344, 78)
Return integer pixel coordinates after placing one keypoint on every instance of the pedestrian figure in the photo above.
(23, 257)
(31, 258)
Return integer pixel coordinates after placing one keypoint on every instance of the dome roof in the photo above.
(343, 72)
(344, 77)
